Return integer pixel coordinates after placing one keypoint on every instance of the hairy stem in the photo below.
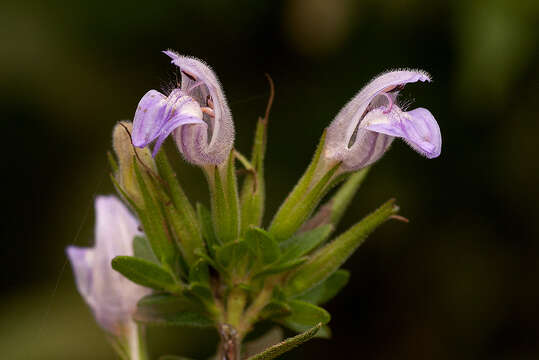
(230, 345)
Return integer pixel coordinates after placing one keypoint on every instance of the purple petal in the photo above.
(149, 118)
(115, 228)
(170, 126)
(368, 148)
(342, 128)
(386, 123)
(417, 127)
(216, 148)
(421, 132)
(82, 260)
(111, 297)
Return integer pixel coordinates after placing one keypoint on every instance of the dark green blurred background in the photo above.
(459, 281)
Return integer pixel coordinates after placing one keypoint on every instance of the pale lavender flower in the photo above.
(112, 297)
(197, 114)
(363, 130)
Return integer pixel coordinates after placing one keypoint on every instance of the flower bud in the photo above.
(196, 113)
(364, 129)
(126, 153)
(111, 297)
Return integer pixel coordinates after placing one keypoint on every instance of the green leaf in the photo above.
(329, 258)
(165, 303)
(183, 319)
(304, 316)
(173, 357)
(143, 250)
(304, 243)
(275, 309)
(264, 248)
(203, 293)
(327, 289)
(145, 273)
(287, 345)
(294, 250)
(333, 210)
(171, 310)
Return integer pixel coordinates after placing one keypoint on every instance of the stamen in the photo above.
(194, 86)
(209, 101)
(390, 103)
(208, 111)
(189, 75)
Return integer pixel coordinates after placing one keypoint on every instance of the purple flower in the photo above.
(111, 297)
(363, 130)
(197, 115)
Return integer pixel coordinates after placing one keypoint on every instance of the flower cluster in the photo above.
(178, 264)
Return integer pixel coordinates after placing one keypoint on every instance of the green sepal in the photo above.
(305, 196)
(171, 310)
(301, 187)
(233, 200)
(327, 289)
(112, 162)
(186, 241)
(154, 224)
(123, 194)
(329, 258)
(263, 247)
(145, 273)
(303, 243)
(208, 232)
(304, 315)
(143, 250)
(333, 210)
(253, 191)
(290, 224)
(224, 199)
(181, 212)
(278, 349)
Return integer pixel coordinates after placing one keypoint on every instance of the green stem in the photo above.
(251, 314)
(230, 345)
(136, 340)
(235, 305)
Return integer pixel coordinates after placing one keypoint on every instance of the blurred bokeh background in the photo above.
(459, 281)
